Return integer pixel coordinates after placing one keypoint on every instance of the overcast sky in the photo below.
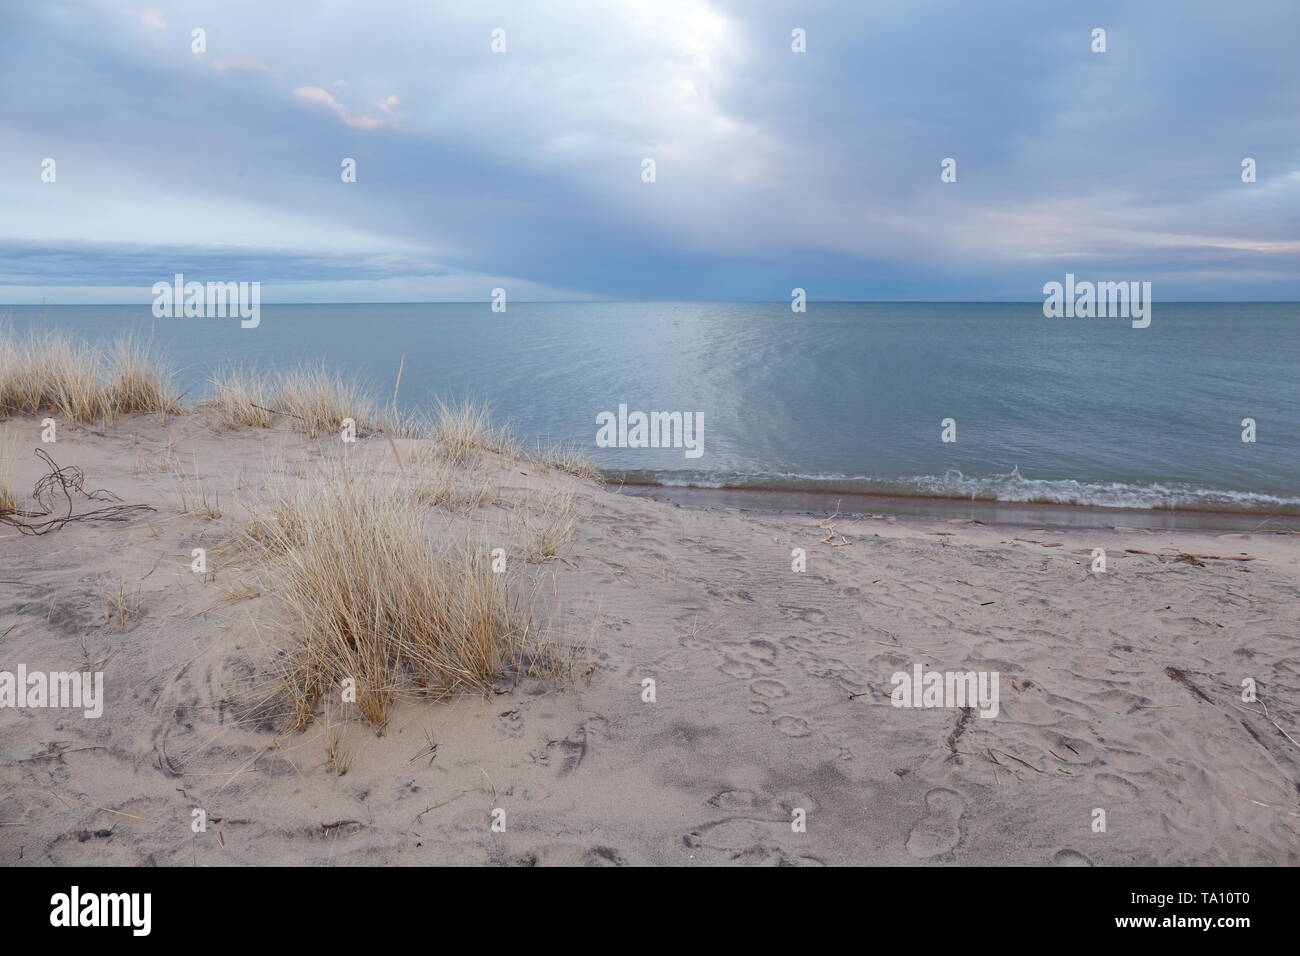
(774, 169)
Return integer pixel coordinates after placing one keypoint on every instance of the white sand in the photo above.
(754, 667)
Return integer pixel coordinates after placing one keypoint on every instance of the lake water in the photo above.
(847, 398)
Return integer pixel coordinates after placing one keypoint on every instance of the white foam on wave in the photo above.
(1011, 486)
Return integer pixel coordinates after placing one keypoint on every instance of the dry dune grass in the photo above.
(240, 399)
(122, 607)
(275, 521)
(311, 399)
(552, 527)
(571, 459)
(465, 429)
(46, 372)
(371, 600)
(49, 372)
(439, 483)
(137, 383)
(8, 453)
(320, 401)
(193, 497)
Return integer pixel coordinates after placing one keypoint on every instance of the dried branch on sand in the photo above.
(55, 492)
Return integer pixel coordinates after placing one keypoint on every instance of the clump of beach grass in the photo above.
(320, 401)
(275, 521)
(465, 429)
(314, 401)
(46, 372)
(50, 372)
(371, 602)
(552, 527)
(193, 497)
(137, 383)
(338, 755)
(571, 459)
(123, 607)
(240, 399)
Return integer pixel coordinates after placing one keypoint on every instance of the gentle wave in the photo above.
(1009, 487)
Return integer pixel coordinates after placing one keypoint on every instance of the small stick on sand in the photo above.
(437, 805)
(1268, 717)
(1017, 759)
(130, 816)
(276, 411)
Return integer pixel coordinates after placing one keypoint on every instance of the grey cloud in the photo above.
(816, 169)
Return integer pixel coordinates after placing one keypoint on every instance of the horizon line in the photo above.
(488, 301)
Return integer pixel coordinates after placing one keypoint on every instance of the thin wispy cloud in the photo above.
(386, 108)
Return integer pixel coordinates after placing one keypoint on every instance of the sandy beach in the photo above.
(1119, 691)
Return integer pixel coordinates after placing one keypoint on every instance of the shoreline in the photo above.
(985, 511)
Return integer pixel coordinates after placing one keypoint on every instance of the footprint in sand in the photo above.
(743, 661)
(792, 726)
(511, 723)
(940, 831)
(769, 688)
(1114, 786)
(738, 669)
(603, 856)
(1071, 858)
(809, 615)
(572, 749)
(760, 652)
(735, 800)
(797, 642)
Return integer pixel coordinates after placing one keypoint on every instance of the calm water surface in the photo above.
(847, 397)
